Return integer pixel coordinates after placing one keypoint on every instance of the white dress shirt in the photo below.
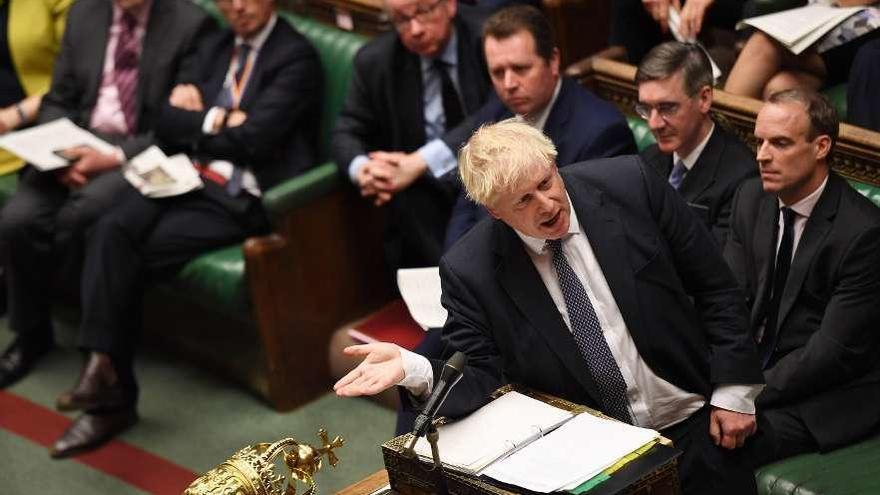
(691, 160)
(653, 402)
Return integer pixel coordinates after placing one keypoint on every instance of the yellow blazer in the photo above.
(34, 35)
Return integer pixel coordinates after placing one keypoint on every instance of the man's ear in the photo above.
(823, 146)
(706, 95)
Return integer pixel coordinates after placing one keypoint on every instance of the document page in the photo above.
(38, 145)
(493, 431)
(158, 176)
(799, 28)
(570, 455)
(420, 289)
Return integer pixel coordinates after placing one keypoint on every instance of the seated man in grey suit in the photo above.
(595, 284)
(806, 248)
(410, 89)
(702, 161)
(119, 60)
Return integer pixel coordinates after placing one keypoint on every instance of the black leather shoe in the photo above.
(98, 387)
(19, 358)
(90, 431)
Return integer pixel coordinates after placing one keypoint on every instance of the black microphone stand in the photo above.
(433, 436)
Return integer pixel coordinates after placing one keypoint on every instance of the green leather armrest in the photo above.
(300, 190)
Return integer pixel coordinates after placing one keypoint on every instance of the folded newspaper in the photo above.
(158, 176)
(798, 29)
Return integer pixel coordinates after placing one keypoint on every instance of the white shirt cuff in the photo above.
(438, 156)
(737, 398)
(355, 166)
(418, 376)
(208, 123)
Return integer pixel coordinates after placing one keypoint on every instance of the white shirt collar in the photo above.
(538, 245)
(256, 42)
(540, 120)
(805, 206)
(691, 159)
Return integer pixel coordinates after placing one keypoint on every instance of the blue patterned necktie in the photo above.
(591, 342)
(677, 175)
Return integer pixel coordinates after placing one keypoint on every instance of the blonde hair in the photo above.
(498, 157)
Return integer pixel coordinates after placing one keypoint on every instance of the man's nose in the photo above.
(510, 80)
(655, 121)
(762, 155)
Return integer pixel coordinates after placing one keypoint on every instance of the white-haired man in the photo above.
(596, 284)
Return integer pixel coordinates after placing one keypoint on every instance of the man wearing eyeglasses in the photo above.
(410, 88)
(701, 160)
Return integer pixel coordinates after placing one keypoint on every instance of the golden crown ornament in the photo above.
(251, 470)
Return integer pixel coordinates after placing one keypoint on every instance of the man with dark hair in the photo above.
(411, 89)
(701, 160)
(248, 121)
(806, 248)
(523, 64)
(595, 284)
(118, 61)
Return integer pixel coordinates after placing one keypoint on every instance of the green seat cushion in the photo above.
(217, 280)
(641, 132)
(851, 470)
(867, 190)
(837, 96)
(8, 183)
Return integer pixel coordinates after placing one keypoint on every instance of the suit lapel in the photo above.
(407, 91)
(557, 122)
(764, 247)
(152, 47)
(521, 281)
(468, 69)
(702, 174)
(817, 227)
(96, 48)
(263, 59)
(601, 223)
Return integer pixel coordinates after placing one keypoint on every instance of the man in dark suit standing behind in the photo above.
(596, 284)
(806, 248)
(410, 88)
(248, 125)
(702, 161)
(523, 63)
(118, 61)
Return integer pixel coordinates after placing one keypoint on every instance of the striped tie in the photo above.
(125, 70)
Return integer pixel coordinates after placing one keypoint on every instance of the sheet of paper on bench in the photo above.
(570, 455)
(799, 28)
(493, 431)
(420, 289)
(158, 176)
(36, 145)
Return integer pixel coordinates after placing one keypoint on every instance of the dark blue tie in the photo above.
(677, 175)
(591, 342)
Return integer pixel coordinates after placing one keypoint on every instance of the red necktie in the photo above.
(125, 70)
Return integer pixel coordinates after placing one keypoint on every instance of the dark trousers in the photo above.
(705, 468)
(41, 228)
(781, 434)
(143, 240)
(863, 100)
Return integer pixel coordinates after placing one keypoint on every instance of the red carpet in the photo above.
(130, 464)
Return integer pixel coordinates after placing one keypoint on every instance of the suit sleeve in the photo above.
(466, 330)
(357, 123)
(63, 96)
(710, 283)
(845, 345)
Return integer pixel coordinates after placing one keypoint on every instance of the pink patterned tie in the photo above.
(125, 70)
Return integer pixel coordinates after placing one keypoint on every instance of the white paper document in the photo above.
(493, 431)
(420, 289)
(674, 24)
(158, 176)
(797, 29)
(575, 452)
(37, 145)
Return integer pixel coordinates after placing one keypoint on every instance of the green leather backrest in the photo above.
(837, 96)
(337, 49)
(641, 132)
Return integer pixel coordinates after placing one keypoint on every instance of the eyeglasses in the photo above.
(423, 14)
(665, 110)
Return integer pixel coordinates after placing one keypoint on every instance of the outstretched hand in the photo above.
(382, 368)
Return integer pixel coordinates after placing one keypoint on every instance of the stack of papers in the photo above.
(797, 29)
(158, 176)
(41, 144)
(496, 430)
(573, 454)
(420, 290)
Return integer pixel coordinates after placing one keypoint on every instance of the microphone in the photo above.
(450, 375)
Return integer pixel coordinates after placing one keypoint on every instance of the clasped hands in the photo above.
(387, 173)
(692, 15)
